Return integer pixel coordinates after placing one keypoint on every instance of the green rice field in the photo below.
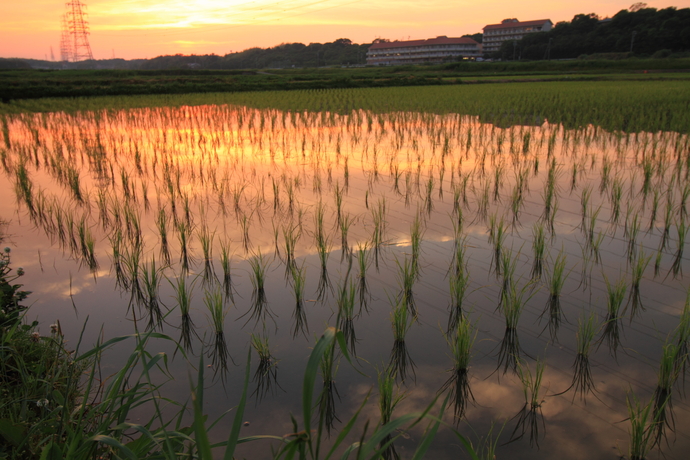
(510, 257)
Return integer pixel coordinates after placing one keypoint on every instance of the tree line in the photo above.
(639, 31)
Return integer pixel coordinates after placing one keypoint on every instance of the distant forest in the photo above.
(639, 31)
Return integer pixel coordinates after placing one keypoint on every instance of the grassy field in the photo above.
(32, 84)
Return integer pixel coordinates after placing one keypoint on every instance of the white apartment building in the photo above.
(511, 29)
(421, 51)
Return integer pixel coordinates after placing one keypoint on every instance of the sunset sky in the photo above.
(148, 28)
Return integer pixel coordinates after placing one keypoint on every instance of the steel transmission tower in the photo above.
(74, 43)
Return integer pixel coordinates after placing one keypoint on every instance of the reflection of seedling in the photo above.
(553, 304)
(219, 349)
(346, 313)
(266, 374)
(416, 233)
(582, 382)
(459, 282)
(460, 340)
(206, 238)
(363, 263)
(299, 315)
(151, 277)
(615, 297)
(539, 249)
(530, 417)
(406, 278)
(183, 233)
(162, 225)
(668, 374)
(183, 298)
(497, 236)
(513, 305)
(400, 357)
(638, 268)
(682, 232)
(329, 391)
(225, 263)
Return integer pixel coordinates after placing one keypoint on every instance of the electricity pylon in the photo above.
(74, 42)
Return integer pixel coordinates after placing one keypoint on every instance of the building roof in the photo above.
(442, 40)
(511, 25)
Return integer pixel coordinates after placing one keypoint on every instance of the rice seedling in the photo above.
(657, 263)
(219, 354)
(682, 232)
(116, 243)
(498, 180)
(611, 328)
(585, 196)
(363, 264)
(345, 222)
(226, 265)
(259, 308)
(647, 173)
(389, 398)
(488, 444)
(635, 299)
(530, 417)
(245, 224)
(428, 199)
(416, 235)
(460, 340)
(291, 235)
(517, 198)
(668, 218)
(183, 298)
(329, 391)
(668, 374)
(497, 236)
(605, 173)
(509, 349)
(632, 228)
(642, 427)
(656, 195)
(338, 197)
(616, 195)
(509, 266)
(183, 234)
(24, 188)
(162, 226)
(553, 304)
(582, 382)
(684, 196)
(266, 374)
(299, 314)
(346, 312)
(131, 260)
(539, 250)
(151, 278)
(400, 362)
(206, 238)
(406, 278)
(378, 215)
(550, 193)
(459, 282)
(87, 245)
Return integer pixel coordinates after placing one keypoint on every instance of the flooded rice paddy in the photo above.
(535, 274)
